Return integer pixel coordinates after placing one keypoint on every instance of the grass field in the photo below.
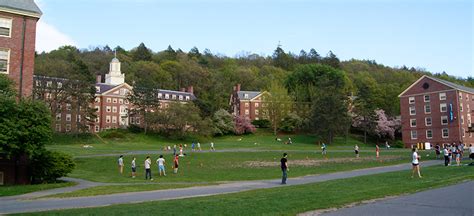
(233, 166)
(292, 199)
(23, 189)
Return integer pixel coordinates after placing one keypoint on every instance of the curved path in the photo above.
(18, 205)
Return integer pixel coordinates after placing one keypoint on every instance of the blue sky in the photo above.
(436, 34)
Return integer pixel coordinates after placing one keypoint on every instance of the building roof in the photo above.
(191, 95)
(251, 94)
(453, 85)
(103, 87)
(24, 7)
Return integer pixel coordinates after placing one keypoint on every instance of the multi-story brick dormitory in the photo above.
(436, 111)
(250, 104)
(17, 42)
(111, 104)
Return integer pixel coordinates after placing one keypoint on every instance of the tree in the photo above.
(142, 53)
(385, 127)
(223, 123)
(291, 123)
(332, 60)
(365, 104)
(314, 56)
(276, 105)
(47, 166)
(243, 125)
(282, 59)
(144, 97)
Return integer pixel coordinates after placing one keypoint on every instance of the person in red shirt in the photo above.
(176, 163)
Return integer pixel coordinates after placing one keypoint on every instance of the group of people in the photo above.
(453, 152)
(356, 150)
(148, 164)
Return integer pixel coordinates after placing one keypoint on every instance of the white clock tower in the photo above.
(115, 76)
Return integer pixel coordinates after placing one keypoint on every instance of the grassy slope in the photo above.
(291, 200)
(23, 189)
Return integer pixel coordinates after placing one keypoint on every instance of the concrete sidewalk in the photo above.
(18, 206)
(452, 200)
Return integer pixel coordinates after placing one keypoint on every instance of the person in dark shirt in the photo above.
(284, 168)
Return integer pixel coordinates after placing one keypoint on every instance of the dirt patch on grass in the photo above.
(312, 162)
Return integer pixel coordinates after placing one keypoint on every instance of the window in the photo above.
(114, 109)
(5, 27)
(444, 120)
(462, 119)
(58, 127)
(256, 104)
(247, 112)
(460, 96)
(160, 95)
(412, 111)
(429, 134)
(167, 96)
(78, 118)
(427, 98)
(107, 119)
(460, 107)
(114, 119)
(246, 96)
(38, 83)
(49, 84)
(120, 101)
(109, 100)
(443, 107)
(97, 89)
(97, 120)
(428, 121)
(256, 112)
(68, 127)
(442, 96)
(463, 133)
(4, 59)
(58, 106)
(414, 135)
(114, 100)
(411, 100)
(108, 109)
(97, 100)
(137, 120)
(412, 122)
(68, 117)
(427, 109)
(97, 128)
(246, 104)
(58, 117)
(126, 101)
(468, 108)
(88, 127)
(132, 120)
(445, 132)
(59, 84)
(173, 97)
(188, 98)
(97, 108)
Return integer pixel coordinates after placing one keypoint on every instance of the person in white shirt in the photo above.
(356, 149)
(120, 164)
(134, 168)
(471, 152)
(446, 156)
(161, 165)
(199, 146)
(147, 168)
(415, 162)
(212, 147)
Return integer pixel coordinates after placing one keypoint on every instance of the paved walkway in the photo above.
(18, 205)
(452, 200)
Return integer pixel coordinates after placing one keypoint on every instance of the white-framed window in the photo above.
(443, 107)
(427, 109)
(444, 120)
(37, 83)
(58, 117)
(97, 100)
(442, 96)
(48, 95)
(160, 95)
(188, 98)
(132, 120)
(462, 119)
(429, 134)
(114, 100)
(256, 104)
(246, 96)
(256, 112)
(109, 100)
(445, 132)
(58, 127)
(68, 117)
(88, 127)
(173, 97)
(97, 108)
(167, 96)
(114, 119)
(97, 128)
(120, 101)
(68, 107)
(411, 100)
(246, 104)
(468, 108)
(412, 122)
(78, 118)
(97, 120)
(137, 120)
(414, 134)
(246, 112)
(114, 109)
(5, 27)
(68, 127)
(108, 109)
(59, 84)
(180, 97)
(97, 89)
(460, 107)
(428, 121)
(4, 60)
(412, 111)
(49, 84)
(107, 119)
(58, 106)
(460, 96)
(426, 98)
(126, 101)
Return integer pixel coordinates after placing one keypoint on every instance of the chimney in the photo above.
(238, 87)
(98, 79)
(183, 89)
(191, 89)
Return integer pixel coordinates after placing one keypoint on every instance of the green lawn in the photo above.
(113, 189)
(234, 166)
(290, 200)
(23, 189)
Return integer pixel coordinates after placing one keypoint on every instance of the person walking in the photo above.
(181, 154)
(284, 168)
(471, 152)
(324, 149)
(161, 165)
(437, 150)
(148, 168)
(199, 146)
(176, 164)
(356, 150)
(120, 164)
(174, 149)
(377, 150)
(446, 156)
(458, 157)
(415, 163)
(192, 146)
(134, 168)
(212, 147)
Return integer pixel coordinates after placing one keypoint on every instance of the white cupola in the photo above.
(115, 76)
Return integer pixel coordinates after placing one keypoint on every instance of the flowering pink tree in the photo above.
(385, 127)
(243, 125)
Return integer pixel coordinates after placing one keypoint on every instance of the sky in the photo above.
(436, 35)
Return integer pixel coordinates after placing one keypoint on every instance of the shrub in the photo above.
(113, 134)
(243, 126)
(48, 166)
(398, 144)
(135, 129)
(261, 123)
(291, 123)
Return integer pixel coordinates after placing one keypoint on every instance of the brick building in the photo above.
(246, 103)
(436, 111)
(111, 104)
(17, 42)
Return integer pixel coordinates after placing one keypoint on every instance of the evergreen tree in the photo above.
(142, 53)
